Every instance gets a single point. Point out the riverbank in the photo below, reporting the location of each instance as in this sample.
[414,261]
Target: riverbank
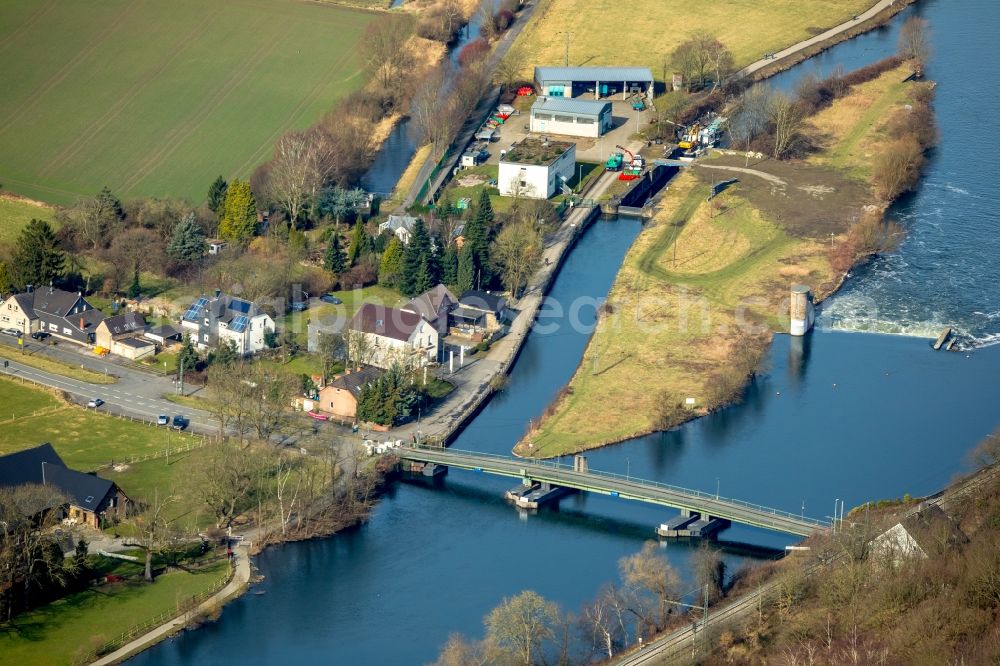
[705,286]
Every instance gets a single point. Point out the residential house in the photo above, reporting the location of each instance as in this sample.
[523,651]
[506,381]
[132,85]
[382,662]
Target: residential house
[163,335]
[215,245]
[212,321]
[479,313]
[434,306]
[62,314]
[340,397]
[126,326]
[458,236]
[391,335]
[923,533]
[401,225]
[89,498]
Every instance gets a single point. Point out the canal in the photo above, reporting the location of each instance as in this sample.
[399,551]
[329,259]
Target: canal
[840,414]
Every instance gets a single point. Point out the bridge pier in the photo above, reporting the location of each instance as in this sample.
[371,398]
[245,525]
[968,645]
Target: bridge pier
[428,469]
[532,495]
[690,524]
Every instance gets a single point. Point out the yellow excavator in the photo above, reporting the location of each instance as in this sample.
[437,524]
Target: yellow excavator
[691,137]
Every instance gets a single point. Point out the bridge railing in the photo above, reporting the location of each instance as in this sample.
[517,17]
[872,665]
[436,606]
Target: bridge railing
[555,464]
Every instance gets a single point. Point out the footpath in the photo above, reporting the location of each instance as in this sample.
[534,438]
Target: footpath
[239,582]
[475,382]
[818,39]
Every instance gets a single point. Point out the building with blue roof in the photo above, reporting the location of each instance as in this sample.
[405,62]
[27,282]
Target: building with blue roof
[570,117]
[211,321]
[598,81]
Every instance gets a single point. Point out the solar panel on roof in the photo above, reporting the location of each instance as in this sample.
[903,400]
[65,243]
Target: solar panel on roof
[192,313]
[239,324]
[237,305]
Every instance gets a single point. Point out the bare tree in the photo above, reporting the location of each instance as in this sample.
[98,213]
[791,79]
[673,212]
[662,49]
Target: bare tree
[710,570]
[520,624]
[517,251]
[223,481]
[269,396]
[153,529]
[386,57]
[700,56]
[914,41]
[786,120]
[750,116]
[896,168]
[509,69]
[302,165]
[604,621]
[459,651]
[360,348]
[650,571]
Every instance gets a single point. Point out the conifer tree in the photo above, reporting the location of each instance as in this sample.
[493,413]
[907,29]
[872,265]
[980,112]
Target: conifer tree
[466,270]
[217,195]
[361,244]
[135,288]
[391,268]
[37,257]
[187,242]
[449,265]
[238,221]
[333,259]
[418,264]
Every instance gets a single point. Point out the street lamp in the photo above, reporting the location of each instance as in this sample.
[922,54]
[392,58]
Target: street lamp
[716,487]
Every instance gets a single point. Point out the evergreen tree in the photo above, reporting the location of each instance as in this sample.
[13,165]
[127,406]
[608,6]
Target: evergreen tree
[187,242]
[466,270]
[238,221]
[361,244]
[226,354]
[217,195]
[392,263]
[110,202]
[478,234]
[188,357]
[6,279]
[37,257]
[333,260]
[417,263]
[449,265]
[135,288]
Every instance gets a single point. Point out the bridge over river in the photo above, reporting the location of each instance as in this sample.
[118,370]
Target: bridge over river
[558,474]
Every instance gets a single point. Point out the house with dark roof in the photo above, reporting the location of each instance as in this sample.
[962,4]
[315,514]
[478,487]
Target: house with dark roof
[925,532]
[400,225]
[89,498]
[340,397]
[387,335]
[212,321]
[434,306]
[478,313]
[162,334]
[62,314]
[120,334]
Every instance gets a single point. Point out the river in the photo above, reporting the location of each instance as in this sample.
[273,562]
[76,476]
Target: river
[841,415]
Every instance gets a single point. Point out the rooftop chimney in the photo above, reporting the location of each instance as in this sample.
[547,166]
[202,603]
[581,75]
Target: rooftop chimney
[31,288]
[81,323]
[218,292]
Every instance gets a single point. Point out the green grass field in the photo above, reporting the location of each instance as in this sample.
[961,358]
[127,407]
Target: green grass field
[15,215]
[84,439]
[55,633]
[158,97]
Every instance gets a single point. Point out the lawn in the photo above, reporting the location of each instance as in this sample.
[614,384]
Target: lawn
[56,367]
[655,28]
[157,98]
[57,632]
[328,313]
[15,215]
[84,439]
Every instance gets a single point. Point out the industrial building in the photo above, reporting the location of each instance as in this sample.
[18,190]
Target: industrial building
[599,81]
[536,168]
[571,117]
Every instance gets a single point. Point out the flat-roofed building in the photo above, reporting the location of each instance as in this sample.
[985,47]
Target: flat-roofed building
[570,117]
[536,169]
[599,81]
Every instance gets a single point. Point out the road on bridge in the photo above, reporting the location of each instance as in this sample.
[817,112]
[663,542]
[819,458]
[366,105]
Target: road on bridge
[618,485]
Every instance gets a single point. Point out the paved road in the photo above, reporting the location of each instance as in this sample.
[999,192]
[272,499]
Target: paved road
[137,394]
[832,32]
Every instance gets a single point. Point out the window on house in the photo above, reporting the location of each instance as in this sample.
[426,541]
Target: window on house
[67,331]
[207,322]
[206,337]
[6,318]
[90,498]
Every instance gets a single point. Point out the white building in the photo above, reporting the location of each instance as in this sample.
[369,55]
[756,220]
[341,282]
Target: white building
[599,81]
[390,335]
[401,225]
[213,321]
[571,117]
[536,169]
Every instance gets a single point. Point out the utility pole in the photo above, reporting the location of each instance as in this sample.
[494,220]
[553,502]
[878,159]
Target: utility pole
[568,35]
[182,376]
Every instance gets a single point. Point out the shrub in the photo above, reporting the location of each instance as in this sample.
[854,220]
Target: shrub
[897,168]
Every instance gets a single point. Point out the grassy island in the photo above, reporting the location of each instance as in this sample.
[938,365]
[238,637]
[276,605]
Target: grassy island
[705,285]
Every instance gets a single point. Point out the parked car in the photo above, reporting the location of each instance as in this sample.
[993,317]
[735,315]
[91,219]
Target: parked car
[299,306]
[162,419]
[181,422]
[40,335]
[94,403]
[12,331]
[330,298]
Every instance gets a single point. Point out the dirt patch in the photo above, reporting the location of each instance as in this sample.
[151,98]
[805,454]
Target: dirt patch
[471,181]
[818,201]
